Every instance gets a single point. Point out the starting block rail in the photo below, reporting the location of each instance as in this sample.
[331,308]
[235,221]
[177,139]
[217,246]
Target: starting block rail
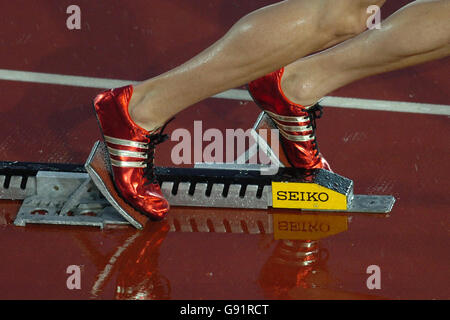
[78,195]
[72,198]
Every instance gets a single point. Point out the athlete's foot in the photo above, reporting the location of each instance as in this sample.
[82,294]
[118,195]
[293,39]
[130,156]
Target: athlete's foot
[296,122]
[131,153]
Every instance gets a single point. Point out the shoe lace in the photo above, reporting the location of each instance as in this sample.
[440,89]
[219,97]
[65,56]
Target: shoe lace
[315,112]
[154,139]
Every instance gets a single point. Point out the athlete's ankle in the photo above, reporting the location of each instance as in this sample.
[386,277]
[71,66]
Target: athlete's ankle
[300,88]
[140,112]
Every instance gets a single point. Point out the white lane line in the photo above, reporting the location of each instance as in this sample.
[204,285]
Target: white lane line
[233,94]
[59,79]
[386,105]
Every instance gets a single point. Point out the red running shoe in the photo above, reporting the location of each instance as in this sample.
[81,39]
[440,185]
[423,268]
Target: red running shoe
[131,153]
[296,123]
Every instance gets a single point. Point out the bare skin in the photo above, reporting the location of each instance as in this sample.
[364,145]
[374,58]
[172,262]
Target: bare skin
[261,42]
[417,33]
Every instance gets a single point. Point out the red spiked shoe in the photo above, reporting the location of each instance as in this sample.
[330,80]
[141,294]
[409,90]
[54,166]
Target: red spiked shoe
[296,123]
[131,153]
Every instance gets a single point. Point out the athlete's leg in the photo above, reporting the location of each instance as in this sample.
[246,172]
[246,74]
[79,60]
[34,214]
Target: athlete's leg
[417,33]
[259,43]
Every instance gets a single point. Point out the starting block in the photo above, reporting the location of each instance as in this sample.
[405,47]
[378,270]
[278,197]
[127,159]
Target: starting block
[77,195]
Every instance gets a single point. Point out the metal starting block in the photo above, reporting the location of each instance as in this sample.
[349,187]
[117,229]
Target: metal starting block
[86,196]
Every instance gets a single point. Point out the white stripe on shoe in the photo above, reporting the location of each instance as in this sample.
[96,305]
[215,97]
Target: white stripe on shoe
[128,164]
[293,128]
[126,143]
[126,153]
[296,138]
[287,118]
[284,129]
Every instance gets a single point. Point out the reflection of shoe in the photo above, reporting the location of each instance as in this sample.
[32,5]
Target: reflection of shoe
[296,123]
[139,276]
[131,153]
[294,264]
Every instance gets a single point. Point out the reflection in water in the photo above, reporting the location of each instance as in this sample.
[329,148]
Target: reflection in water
[139,275]
[293,263]
[136,262]
[298,260]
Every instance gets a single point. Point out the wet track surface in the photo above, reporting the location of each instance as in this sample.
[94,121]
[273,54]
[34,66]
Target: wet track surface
[402,154]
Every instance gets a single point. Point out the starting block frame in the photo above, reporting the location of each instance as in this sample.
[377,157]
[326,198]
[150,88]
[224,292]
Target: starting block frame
[77,195]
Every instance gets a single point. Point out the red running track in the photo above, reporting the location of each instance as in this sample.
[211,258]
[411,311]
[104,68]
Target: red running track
[403,154]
